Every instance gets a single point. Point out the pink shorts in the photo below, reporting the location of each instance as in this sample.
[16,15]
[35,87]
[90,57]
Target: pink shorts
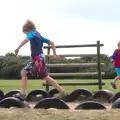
[37,67]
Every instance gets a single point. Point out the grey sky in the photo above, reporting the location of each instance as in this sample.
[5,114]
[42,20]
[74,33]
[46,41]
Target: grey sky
[63,21]
[104,10]
[101,10]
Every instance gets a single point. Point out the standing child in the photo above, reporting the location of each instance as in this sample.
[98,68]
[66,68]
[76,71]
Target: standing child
[116,59]
[37,66]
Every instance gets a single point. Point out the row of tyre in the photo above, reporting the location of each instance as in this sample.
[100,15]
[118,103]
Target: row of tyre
[88,99]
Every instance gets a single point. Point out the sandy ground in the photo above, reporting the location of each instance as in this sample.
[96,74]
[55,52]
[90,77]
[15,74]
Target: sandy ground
[55,114]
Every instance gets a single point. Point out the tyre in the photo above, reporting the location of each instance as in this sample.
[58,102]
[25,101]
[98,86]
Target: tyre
[13,102]
[116,104]
[37,95]
[90,105]
[52,92]
[103,95]
[1,94]
[115,97]
[80,95]
[11,93]
[51,103]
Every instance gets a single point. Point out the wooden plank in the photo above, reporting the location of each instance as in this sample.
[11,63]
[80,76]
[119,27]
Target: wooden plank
[73,65]
[73,46]
[72,84]
[75,74]
[74,55]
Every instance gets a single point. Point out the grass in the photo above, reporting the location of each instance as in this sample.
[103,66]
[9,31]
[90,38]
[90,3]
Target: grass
[36,114]
[7,85]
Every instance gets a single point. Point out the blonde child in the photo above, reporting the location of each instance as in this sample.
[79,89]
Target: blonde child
[37,66]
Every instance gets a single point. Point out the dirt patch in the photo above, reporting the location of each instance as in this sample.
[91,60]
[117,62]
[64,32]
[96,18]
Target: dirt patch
[52,114]
[55,114]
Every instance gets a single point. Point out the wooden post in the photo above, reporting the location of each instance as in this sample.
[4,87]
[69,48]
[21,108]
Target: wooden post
[48,61]
[98,67]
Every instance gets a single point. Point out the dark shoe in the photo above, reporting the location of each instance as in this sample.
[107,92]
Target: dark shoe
[61,95]
[113,85]
[21,96]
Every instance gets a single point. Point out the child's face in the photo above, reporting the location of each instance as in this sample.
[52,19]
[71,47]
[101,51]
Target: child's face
[26,33]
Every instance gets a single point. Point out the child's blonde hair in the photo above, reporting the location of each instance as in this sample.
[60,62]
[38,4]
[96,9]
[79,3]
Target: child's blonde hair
[118,44]
[29,26]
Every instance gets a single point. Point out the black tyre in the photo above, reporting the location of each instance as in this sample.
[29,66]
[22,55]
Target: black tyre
[13,102]
[51,103]
[1,94]
[11,93]
[52,92]
[103,95]
[90,105]
[37,95]
[115,97]
[116,104]
[80,94]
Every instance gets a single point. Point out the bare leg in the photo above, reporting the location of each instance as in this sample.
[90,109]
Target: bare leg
[116,79]
[24,81]
[52,82]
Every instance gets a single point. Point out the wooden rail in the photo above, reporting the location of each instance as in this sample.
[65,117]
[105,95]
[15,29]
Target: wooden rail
[74,46]
[73,65]
[76,84]
[75,74]
[73,55]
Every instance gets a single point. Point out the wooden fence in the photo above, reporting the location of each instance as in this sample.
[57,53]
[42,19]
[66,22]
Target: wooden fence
[97,64]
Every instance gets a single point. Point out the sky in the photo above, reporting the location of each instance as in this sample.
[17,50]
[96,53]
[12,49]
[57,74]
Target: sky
[66,22]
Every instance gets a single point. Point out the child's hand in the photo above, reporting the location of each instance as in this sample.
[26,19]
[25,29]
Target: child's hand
[56,57]
[16,51]
[111,60]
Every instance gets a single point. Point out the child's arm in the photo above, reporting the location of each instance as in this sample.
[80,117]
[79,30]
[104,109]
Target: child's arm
[53,47]
[45,40]
[54,50]
[113,57]
[21,44]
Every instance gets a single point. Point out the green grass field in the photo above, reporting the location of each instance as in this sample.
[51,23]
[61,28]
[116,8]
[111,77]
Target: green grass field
[7,85]
[53,114]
